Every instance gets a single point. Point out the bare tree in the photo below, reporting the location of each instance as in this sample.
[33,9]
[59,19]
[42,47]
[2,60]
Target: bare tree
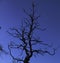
[28,41]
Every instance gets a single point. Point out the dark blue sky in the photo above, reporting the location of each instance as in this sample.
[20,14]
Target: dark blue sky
[11,14]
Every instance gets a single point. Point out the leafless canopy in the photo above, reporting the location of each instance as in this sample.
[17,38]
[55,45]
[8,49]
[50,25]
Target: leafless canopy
[28,40]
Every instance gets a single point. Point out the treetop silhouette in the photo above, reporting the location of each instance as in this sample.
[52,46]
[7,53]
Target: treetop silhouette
[28,41]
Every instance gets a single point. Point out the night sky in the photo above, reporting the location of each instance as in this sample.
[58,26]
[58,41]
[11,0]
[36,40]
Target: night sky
[11,15]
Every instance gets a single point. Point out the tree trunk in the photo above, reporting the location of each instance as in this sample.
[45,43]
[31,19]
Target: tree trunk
[27,59]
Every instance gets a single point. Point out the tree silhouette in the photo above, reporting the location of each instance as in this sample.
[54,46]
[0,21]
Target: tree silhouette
[29,42]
